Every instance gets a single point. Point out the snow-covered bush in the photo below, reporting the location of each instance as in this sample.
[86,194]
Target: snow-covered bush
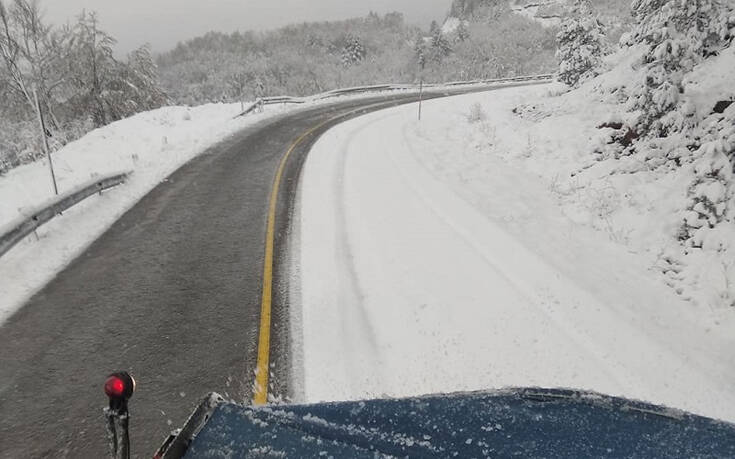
[678,34]
[18,143]
[581,45]
[476,113]
[712,193]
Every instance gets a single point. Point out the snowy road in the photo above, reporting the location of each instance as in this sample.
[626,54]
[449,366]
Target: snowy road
[410,288]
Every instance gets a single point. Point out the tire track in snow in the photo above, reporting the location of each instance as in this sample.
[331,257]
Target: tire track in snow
[357,328]
[520,288]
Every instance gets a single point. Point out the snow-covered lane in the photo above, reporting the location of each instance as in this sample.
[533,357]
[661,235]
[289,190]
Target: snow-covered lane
[408,288]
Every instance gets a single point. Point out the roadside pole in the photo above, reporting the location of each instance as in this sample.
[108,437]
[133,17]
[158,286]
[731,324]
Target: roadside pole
[422,63]
[44,136]
[421,95]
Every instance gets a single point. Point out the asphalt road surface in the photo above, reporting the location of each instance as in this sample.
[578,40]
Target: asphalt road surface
[171,293]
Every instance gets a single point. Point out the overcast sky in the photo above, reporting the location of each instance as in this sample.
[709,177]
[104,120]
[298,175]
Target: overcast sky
[163,23]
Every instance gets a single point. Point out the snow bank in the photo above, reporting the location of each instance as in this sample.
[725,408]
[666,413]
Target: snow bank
[458,254]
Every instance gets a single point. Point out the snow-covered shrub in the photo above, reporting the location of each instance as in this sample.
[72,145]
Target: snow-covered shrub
[602,202]
[19,143]
[712,193]
[476,113]
[581,45]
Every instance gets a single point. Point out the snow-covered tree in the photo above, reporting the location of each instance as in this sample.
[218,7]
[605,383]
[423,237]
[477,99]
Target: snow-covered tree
[434,28]
[353,51]
[91,66]
[463,32]
[103,88]
[141,79]
[31,53]
[678,34]
[581,45]
[65,79]
[420,51]
[440,46]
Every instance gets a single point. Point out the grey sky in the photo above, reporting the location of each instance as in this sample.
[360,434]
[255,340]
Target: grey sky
[163,23]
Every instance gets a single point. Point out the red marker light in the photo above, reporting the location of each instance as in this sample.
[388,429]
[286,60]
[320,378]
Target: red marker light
[120,386]
[114,387]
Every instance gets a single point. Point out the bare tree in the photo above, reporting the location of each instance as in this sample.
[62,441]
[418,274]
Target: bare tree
[30,53]
[90,67]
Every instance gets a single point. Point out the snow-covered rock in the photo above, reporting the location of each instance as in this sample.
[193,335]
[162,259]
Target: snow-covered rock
[451,25]
[547,12]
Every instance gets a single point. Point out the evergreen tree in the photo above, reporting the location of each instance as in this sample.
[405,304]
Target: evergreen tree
[440,46]
[580,45]
[420,51]
[463,32]
[434,28]
[353,51]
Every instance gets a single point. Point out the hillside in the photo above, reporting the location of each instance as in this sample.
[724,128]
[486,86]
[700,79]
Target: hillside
[642,148]
[300,59]
[312,57]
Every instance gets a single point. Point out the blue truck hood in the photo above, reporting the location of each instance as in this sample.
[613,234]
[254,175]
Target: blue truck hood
[513,422]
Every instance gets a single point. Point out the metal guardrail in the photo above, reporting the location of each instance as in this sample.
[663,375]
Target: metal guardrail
[258,104]
[543,77]
[24,226]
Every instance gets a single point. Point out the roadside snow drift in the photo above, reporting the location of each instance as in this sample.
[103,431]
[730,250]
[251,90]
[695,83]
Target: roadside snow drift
[433,258]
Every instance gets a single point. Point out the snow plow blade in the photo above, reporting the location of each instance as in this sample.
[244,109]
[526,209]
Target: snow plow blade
[513,422]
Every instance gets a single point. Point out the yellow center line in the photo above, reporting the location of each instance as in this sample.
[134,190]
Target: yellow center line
[260,395]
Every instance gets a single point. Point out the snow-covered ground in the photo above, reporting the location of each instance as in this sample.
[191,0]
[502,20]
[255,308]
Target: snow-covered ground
[151,144]
[455,254]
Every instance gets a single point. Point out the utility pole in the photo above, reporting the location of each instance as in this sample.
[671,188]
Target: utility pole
[422,63]
[44,136]
[421,95]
